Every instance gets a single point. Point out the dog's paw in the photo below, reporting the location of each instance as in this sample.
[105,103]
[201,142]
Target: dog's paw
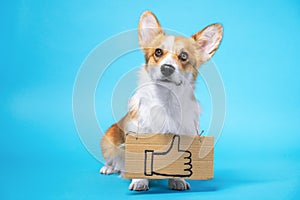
[178,184]
[139,185]
[108,170]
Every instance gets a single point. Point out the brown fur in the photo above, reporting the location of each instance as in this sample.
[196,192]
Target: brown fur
[115,136]
[188,45]
[112,139]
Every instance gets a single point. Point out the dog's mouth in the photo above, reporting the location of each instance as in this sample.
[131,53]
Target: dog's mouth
[170,81]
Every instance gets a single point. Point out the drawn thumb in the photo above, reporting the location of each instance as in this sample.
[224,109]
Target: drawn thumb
[175,142]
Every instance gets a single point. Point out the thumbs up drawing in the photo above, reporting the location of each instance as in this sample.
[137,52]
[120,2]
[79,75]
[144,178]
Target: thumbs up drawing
[172,154]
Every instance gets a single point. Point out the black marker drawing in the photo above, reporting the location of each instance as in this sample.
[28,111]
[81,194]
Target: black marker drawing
[150,156]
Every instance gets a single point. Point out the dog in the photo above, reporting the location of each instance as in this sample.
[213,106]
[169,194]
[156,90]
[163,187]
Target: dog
[164,101]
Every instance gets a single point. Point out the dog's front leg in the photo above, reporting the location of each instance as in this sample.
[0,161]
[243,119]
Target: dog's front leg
[139,184]
[132,127]
[178,184]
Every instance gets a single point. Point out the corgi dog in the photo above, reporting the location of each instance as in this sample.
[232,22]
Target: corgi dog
[164,101]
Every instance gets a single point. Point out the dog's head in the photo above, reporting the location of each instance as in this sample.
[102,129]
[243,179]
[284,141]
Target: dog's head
[175,59]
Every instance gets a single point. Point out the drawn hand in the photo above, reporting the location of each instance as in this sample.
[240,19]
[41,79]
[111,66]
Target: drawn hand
[182,166]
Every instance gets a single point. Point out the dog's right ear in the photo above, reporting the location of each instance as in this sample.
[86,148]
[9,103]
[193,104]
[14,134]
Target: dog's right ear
[149,29]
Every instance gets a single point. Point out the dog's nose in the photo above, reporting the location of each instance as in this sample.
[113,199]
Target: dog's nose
[167,70]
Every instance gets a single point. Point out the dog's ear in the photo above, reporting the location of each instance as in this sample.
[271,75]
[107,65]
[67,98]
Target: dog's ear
[149,28]
[208,40]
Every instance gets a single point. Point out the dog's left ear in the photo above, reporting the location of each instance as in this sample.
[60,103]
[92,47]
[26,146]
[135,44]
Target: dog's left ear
[149,29]
[208,40]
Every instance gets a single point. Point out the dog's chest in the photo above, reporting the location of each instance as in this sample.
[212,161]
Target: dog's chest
[162,110]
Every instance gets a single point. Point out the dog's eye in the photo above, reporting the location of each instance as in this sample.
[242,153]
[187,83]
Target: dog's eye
[158,52]
[183,56]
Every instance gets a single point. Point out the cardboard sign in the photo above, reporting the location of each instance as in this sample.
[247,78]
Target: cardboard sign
[159,156]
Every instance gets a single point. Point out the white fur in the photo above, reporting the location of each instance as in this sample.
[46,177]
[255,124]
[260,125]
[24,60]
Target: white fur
[168,43]
[139,184]
[108,170]
[115,165]
[178,184]
[161,107]
[164,107]
[165,104]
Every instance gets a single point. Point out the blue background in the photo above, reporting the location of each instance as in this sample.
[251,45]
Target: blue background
[43,44]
